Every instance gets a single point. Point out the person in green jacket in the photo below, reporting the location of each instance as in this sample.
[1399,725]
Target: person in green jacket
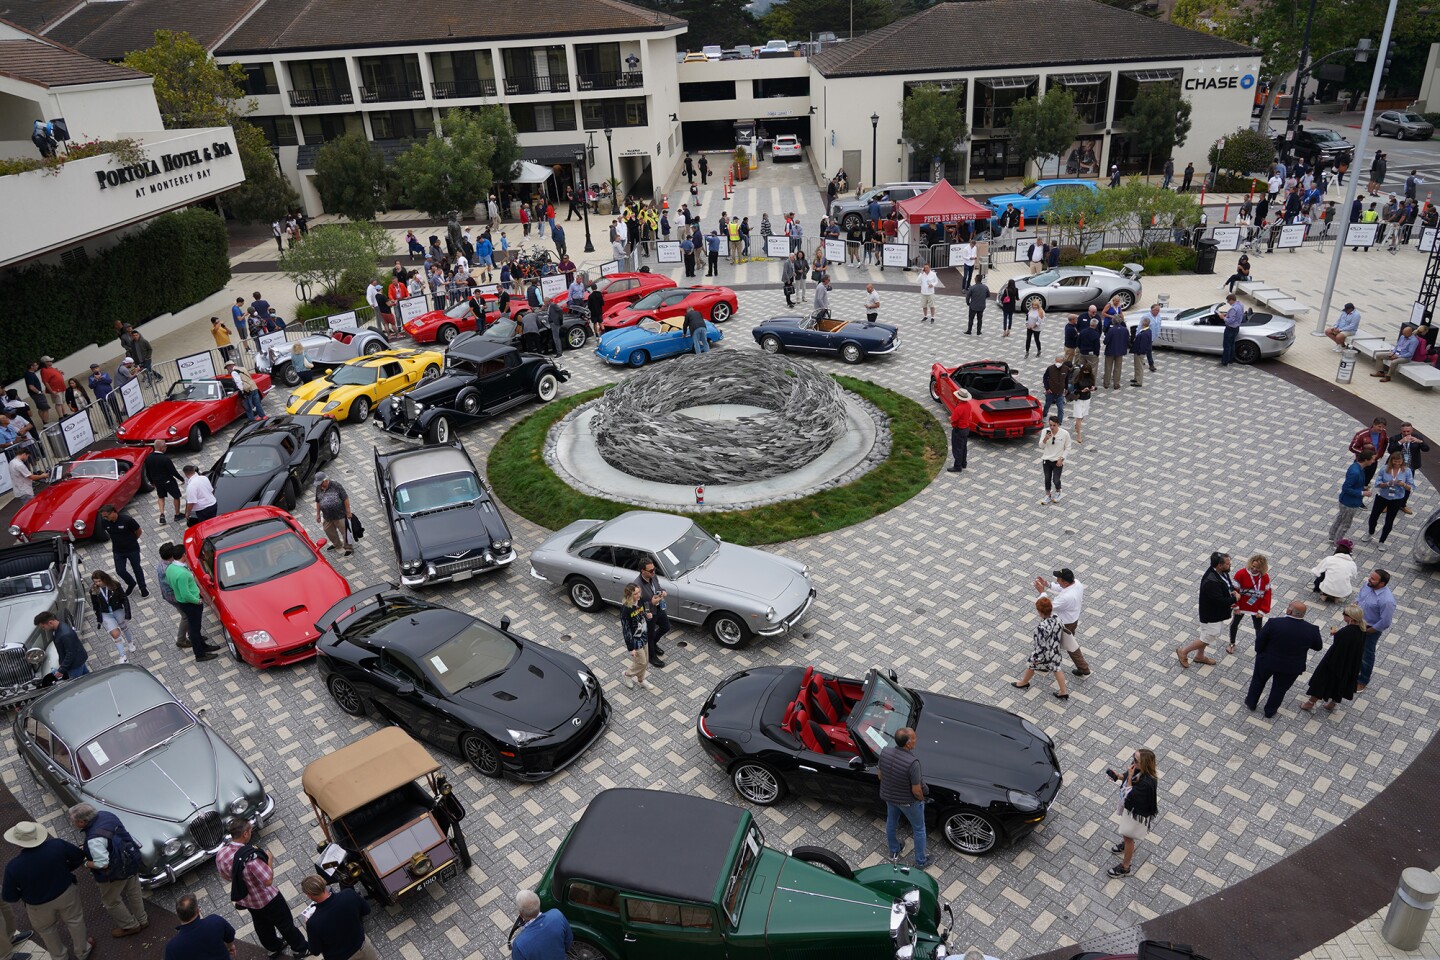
[187,597]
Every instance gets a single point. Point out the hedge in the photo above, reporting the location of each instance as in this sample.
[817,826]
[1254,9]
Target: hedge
[176,260]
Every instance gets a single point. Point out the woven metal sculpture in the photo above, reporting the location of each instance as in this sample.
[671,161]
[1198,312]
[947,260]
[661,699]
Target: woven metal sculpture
[638,428]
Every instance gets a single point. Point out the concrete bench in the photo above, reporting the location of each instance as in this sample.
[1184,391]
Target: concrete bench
[1277,301]
[1371,346]
[1421,374]
[1287,306]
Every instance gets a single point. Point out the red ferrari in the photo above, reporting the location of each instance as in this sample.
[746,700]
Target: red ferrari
[190,412]
[716,304]
[266,582]
[1001,405]
[76,490]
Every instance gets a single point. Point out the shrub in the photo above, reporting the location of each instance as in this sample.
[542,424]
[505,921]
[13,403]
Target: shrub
[1069,256]
[1433,118]
[176,260]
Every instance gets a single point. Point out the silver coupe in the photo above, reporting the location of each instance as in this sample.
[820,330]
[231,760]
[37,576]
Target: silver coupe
[736,593]
[325,350]
[1202,330]
[1075,288]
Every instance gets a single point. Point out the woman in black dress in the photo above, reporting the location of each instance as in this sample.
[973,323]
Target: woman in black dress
[1338,672]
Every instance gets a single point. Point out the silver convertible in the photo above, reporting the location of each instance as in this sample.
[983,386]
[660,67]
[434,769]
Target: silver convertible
[325,350]
[1202,330]
[737,593]
[1075,288]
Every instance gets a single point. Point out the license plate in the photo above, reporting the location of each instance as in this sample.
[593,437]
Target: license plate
[448,872]
[463,575]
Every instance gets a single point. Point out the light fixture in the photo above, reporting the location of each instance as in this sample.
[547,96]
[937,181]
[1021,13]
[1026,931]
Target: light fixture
[812,111]
[674,118]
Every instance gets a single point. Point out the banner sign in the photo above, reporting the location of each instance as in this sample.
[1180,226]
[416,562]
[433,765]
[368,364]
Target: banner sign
[897,255]
[1291,235]
[343,321]
[668,251]
[609,267]
[1228,238]
[1361,234]
[1022,249]
[777,246]
[412,307]
[835,251]
[77,432]
[552,285]
[201,366]
[133,398]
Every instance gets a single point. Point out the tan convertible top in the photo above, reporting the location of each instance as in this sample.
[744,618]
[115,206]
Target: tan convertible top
[346,780]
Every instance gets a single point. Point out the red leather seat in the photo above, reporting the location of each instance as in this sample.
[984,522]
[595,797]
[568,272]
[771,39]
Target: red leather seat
[811,733]
[826,705]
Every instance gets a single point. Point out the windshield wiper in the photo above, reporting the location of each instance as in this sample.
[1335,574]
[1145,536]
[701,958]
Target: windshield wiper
[480,680]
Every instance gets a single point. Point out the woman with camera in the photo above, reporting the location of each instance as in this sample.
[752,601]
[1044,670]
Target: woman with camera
[1139,785]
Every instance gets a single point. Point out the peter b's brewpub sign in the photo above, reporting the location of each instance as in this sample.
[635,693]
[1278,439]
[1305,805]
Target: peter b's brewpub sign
[166,163]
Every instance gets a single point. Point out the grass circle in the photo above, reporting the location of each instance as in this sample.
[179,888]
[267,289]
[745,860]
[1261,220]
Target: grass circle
[525,483]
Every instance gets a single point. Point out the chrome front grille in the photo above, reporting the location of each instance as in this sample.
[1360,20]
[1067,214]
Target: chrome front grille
[411,410]
[477,562]
[14,670]
[207,830]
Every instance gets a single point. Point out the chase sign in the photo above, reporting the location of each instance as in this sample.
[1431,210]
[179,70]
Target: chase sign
[1220,83]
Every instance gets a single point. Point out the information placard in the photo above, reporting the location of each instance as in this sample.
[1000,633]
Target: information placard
[1427,239]
[777,246]
[343,321]
[896,255]
[1361,234]
[488,290]
[1022,249]
[609,267]
[1228,238]
[668,251]
[132,397]
[77,432]
[201,366]
[412,307]
[834,251]
[1291,235]
[5,486]
[1417,313]
[273,343]
[954,255]
[552,286]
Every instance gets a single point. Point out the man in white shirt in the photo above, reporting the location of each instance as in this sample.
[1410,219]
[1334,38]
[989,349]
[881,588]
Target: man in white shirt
[929,282]
[1272,187]
[1068,596]
[199,496]
[968,253]
[872,303]
[371,292]
[249,391]
[1037,257]
[23,476]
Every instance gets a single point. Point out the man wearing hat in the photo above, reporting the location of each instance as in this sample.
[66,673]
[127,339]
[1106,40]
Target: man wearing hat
[1068,596]
[332,511]
[125,373]
[43,875]
[249,391]
[104,390]
[54,381]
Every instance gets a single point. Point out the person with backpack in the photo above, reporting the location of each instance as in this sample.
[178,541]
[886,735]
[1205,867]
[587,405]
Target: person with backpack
[113,857]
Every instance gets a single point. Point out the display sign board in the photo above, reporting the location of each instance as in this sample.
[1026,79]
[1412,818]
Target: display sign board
[1022,249]
[412,307]
[132,397]
[272,341]
[5,486]
[1417,313]
[201,366]
[77,432]
[488,289]
[1291,235]
[835,251]
[343,321]
[552,285]
[724,246]
[668,251]
[1361,234]
[1427,239]
[777,246]
[896,255]
[954,255]
[1228,238]
[609,267]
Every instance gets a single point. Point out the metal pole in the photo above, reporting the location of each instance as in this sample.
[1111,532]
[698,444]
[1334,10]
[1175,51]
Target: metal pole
[585,200]
[1297,91]
[874,147]
[1355,173]
[614,181]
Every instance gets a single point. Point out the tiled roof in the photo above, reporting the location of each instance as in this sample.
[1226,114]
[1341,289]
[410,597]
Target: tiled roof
[110,29]
[282,25]
[49,65]
[991,34]
[35,14]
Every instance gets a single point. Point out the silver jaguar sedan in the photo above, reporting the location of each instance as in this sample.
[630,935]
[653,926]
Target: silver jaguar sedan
[1075,288]
[1202,330]
[736,593]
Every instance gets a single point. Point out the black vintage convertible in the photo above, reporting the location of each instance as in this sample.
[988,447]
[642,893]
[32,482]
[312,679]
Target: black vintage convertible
[506,704]
[854,340]
[990,775]
[530,332]
[482,378]
[269,463]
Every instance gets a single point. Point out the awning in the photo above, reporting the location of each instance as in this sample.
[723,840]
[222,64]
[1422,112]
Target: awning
[528,172]
[1151,76]
[1005,83]
[1080,79]
[552,153]
[942,204]
[344,781]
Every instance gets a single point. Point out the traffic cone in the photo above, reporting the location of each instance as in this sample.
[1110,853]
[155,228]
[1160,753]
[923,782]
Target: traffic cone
[664,201]
[1021,228]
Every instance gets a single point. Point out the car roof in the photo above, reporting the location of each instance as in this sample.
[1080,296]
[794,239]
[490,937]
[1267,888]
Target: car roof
[344,781]
[82,709]
[1062,180]
[478,350]
[436,626]
[643,529]
[411,465]
[707,831]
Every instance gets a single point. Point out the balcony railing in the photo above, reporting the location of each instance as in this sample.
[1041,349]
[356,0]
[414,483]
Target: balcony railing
[382,92]
[526,84]
[453,89]
[623,80]
[320,97]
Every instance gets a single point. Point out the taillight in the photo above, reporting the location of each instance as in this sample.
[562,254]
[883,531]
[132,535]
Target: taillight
[705,730]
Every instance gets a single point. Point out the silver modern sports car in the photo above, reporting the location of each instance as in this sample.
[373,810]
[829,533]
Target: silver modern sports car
[325,350]
[1202,330]
[735,592]
[1427,542]
[1075,288]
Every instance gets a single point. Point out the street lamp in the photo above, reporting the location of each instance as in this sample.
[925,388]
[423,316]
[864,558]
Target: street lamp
[614,181]
[584,200]
[874,145]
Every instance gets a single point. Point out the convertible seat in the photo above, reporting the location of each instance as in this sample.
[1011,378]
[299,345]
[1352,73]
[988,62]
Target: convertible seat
[825,704]
[811,733]
[832,326]
[343,337]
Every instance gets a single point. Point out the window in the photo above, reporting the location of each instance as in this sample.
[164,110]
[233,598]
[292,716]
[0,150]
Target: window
[543,117]
[323,128]
[61,753]
[583,894]
[629,558]
[780,87]
[400,124]
[259,79]
[278,131]
[668,914]
[618,112]
[128,739]
[706,92]
[390,370]
[601,554]
[995,100]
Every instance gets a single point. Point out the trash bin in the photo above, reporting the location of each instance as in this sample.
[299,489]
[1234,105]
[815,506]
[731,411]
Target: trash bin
[1346,370]
[1207,250]
[1410,910]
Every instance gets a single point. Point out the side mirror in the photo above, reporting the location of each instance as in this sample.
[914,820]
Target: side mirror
[505,623]
[893,677]
[856,763]
[405,689]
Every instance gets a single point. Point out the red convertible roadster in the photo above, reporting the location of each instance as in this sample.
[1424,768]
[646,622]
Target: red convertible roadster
[190,412]
[76,491]
[716,304]
[1001,404]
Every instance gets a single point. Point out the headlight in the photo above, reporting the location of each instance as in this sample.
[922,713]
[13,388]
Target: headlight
[770,614]
[190,847]
[79,525]
[172,431]
[120,432]
[34,656]
[238,806]
[412,565]
[522,737]
[418,404]
[501,547]
[333,405]
[294,399]
[1023,802]
[172,847]
[260,639]
[14,530]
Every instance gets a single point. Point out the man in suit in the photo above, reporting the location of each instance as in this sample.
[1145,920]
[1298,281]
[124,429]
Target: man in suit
[542,936]
[1280,652]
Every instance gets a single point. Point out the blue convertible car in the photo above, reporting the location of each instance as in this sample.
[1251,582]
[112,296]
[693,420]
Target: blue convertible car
[1035,201]
[854,340]
[649,340]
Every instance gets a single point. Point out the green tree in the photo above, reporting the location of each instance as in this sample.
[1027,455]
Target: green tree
[723,22]
[351,177]
[265,195]
[1044,126]
[799,19]
[1075,216]
[450,173]
[1246,151]
[191,89]
[494,122]
[1159,121]
[331,252]
[1135,208]
[932,121]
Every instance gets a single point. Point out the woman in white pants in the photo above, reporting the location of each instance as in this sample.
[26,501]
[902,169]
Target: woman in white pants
[112,612]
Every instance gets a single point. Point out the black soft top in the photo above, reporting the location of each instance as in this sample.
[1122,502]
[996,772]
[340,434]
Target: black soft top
[685,855]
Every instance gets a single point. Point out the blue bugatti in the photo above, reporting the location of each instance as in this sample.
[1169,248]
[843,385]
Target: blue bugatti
[854,340]
[648,340]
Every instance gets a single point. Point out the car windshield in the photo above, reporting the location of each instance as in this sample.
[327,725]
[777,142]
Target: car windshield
[735,886]
[98,469]
[503,330]
[1196,313]
[262,560]
[884,709]
[655,326]
[29,583]
[437,493]
[1325,135]
[650,301]
[869,195]
[194,390]
[126,741]
[459,310]
[472,656]
[250,460]
[694,547]
[1033,190]
[1043,279]
[1411,118]
[353,376]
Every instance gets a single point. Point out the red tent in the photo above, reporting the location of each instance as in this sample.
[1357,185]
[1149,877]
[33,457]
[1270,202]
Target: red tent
[942,204]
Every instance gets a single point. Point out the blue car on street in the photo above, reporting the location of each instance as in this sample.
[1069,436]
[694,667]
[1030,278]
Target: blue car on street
[1034,202]
[649,340]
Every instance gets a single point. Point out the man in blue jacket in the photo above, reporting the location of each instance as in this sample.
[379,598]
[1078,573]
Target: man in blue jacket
[1140,347]
[1280,652]
[1088,339]
[67,645]
[43,875]
[542,936]
[1352,493]
[1117,344]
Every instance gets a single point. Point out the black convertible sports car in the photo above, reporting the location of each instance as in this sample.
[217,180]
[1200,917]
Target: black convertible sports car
[481,378]
[504,703]
[990,775]
[443,522]
[530,332]
[269,463]
[854,340]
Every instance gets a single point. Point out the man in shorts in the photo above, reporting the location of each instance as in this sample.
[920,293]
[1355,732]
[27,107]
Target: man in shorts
[929,282]
[160,471]
[1218,597]
[35,387]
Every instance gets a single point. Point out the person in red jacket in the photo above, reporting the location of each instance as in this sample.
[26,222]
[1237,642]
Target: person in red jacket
[1253,584]
[962,419]
[398,291]
[1376,438]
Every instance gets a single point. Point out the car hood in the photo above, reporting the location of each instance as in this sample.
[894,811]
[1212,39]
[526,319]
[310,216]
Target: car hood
[443,387]
[959,741]
[17,616]
[535,693]
[743,570]
[1005,198]
[628,337]
[286,607]
[433,535]
[168,783]
[58,505]
[154,422]
[811,901]
[233,493]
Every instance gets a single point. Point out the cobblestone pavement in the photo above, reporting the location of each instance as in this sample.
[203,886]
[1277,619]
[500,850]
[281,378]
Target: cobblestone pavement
[1197,460]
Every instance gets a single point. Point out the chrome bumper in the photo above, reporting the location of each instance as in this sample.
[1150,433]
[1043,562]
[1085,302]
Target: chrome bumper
[785,625]
[431,575]
[537,574]
[173,871]
[895,345]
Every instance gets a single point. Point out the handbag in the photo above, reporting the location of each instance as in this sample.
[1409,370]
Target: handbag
[357,529]
[815,275]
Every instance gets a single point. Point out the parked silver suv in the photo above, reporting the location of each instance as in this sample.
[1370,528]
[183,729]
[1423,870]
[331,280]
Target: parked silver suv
[852,212]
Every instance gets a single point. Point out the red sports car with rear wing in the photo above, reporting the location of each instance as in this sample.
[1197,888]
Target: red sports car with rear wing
[1001,404]
[716,304]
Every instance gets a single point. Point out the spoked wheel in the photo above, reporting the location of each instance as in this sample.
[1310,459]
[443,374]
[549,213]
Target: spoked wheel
[758,783]
[482,754]
[347,698]
[332,444]
[448,332]
[972,832]
[576,338]
[583,594]
[547,387]
[720,313]
[771,344]
[360,409]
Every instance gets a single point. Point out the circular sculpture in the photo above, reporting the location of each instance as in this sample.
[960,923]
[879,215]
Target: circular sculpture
[641,427]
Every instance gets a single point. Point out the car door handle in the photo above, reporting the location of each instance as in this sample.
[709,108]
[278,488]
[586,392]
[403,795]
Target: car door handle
[808,769]
[629,939]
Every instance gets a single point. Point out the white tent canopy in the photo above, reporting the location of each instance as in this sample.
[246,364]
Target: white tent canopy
[532,173]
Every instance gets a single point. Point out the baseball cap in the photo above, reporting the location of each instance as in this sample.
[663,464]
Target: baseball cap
[47,359]
[320,476]
[94,366]
[1345,544]
[1064,573]
[128,360]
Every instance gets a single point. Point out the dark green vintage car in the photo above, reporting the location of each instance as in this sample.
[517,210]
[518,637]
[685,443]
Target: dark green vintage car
[649,875]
